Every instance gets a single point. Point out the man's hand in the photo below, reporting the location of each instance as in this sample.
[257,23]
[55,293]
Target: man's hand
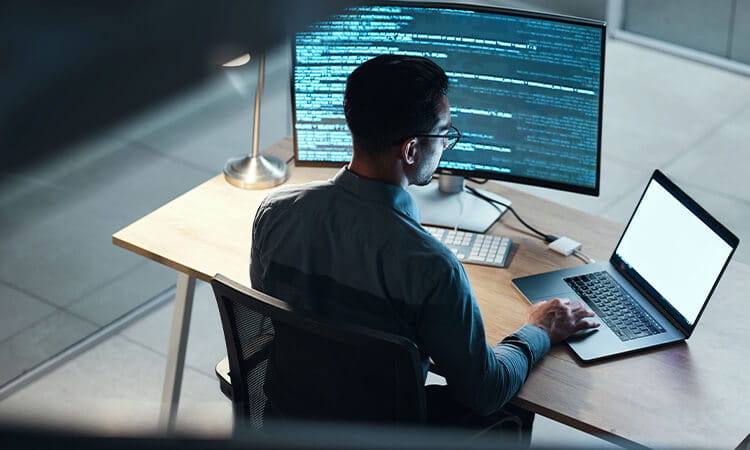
[560,318]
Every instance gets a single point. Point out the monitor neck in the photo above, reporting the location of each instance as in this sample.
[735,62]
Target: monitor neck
[444,203]
[451,184]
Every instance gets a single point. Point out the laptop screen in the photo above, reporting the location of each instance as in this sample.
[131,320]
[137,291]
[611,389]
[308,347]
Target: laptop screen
[673,245]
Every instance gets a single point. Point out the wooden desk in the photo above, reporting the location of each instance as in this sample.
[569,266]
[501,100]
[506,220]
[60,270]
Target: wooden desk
[691,394]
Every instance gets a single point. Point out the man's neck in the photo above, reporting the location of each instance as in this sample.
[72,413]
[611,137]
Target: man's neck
[381,168]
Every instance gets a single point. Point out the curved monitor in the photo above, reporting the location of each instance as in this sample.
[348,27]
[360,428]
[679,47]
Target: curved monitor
[525,88]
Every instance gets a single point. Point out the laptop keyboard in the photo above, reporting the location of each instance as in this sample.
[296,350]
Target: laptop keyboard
[614,306]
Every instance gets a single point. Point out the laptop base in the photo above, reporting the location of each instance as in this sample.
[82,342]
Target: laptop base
[602,343]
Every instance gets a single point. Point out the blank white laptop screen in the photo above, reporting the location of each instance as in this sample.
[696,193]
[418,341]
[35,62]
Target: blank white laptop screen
[672,249]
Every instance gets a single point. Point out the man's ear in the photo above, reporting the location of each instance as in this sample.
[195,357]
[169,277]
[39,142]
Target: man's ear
[408,151]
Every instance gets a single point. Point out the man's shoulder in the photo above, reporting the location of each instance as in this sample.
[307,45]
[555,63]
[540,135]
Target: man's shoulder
[296,193]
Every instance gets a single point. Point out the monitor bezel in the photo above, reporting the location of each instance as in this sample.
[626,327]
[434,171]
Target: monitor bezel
[480,174]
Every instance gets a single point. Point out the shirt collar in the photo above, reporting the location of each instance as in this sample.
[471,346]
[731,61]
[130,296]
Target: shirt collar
[377,191]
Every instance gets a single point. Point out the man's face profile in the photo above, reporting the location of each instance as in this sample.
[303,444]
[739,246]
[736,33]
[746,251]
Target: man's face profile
[430,150]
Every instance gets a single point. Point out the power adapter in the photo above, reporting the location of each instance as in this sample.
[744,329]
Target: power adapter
[565,246]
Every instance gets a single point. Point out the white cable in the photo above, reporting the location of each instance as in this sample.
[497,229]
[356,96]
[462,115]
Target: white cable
[565,242]
[586,258]
[460,211]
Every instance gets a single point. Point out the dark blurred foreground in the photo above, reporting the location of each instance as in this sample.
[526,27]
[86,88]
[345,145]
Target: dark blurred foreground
[286,436]
[69,69]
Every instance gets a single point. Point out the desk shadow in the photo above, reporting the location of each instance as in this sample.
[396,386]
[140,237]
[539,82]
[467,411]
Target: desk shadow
[511,254]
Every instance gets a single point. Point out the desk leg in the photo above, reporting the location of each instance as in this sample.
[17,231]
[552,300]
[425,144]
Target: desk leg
[183,306]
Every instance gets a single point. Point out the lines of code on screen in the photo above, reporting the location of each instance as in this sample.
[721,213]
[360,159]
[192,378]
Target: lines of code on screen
[524,91]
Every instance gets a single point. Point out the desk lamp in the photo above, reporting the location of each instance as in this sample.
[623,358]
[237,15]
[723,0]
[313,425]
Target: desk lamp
[254,171]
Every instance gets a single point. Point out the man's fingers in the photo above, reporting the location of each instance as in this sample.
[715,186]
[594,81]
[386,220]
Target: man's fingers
[585,324]
[582,312]
[574,305]
[579,306]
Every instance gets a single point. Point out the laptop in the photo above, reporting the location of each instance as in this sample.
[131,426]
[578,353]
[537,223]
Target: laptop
[657,282]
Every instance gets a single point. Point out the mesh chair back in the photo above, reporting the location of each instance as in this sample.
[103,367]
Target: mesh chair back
[251,321]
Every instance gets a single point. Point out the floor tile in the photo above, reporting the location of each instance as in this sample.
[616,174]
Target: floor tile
[132,289]
[204,410]
[171,138]
[47,171]
[721,162]
[64,255]
[26,200]
[33,196]
[211,147]
[132,182]
[205,101]
[39,342]
[657,105]
[550,434]
[206,339]
[19,310]
[67,253]
[115,388]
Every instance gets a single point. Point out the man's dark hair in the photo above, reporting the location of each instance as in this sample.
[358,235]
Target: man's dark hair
[391,98]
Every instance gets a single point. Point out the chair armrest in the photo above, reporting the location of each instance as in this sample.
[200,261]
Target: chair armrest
[222,367]
[222,373]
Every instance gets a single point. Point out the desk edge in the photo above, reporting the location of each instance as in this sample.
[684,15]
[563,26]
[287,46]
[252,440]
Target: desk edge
[160,259]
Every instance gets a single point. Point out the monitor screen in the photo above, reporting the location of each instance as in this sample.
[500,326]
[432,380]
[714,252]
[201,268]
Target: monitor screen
[525,88]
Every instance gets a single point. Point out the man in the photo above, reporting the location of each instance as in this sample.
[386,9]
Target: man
[352,249]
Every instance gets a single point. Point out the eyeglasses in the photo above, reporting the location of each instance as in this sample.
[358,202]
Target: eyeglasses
[452,137]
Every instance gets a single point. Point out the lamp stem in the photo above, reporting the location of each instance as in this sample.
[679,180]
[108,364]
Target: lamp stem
[258,95]
[256,171]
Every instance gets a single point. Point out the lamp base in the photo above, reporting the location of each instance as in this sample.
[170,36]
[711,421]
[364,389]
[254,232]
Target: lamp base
[261,172]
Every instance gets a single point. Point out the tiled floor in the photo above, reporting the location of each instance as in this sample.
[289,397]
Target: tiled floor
[61,278]
[60,275]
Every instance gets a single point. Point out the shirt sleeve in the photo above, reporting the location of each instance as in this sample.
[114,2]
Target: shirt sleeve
[451,331]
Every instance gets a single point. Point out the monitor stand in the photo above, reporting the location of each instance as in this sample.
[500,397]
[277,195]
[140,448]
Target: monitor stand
[444,203]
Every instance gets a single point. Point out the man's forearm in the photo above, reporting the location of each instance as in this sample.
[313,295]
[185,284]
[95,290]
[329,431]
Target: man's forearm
[516,355]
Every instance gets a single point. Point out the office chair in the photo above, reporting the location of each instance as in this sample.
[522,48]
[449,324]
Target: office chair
[251,320]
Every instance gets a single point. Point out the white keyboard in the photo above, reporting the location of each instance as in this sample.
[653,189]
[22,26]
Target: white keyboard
[474,248]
